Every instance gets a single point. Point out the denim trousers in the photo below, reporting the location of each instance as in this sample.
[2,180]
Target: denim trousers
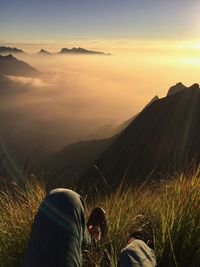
[58,231]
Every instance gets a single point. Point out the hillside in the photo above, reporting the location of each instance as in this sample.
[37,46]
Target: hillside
[10,65]
[163,138]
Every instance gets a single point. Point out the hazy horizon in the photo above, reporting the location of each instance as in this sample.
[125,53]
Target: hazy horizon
[154,45]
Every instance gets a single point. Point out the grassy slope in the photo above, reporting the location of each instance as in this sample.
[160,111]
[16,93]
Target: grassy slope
[169,212]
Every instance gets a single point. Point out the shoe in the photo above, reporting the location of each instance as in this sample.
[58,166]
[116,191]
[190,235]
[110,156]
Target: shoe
[97,223]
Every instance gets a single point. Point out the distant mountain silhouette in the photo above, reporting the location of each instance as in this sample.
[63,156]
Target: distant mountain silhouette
[105,131]
[163,138]
[79,50]
[10,65]
[74,50]
[6,49]
[44,52]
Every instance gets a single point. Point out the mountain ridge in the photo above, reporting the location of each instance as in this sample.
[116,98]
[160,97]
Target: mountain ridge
[73,50]
[44,52]
[7,49]
[165,145]
[80,50]
[10,65]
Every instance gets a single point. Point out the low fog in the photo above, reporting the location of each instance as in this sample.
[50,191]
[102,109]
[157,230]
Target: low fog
[78,97]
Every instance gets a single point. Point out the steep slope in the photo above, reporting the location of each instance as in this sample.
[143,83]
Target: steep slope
[125,124]
[64,168]
[10,65]
[113,129]
[161,139]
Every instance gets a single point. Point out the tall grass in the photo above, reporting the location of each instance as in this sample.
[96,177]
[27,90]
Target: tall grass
[169,212]
[17,211]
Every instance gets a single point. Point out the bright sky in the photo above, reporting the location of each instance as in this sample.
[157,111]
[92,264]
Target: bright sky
[60,20]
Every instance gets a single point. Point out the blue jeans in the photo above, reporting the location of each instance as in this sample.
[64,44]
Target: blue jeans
[58,231]
[137,254]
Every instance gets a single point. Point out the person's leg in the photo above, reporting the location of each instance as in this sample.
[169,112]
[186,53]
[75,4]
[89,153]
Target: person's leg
[137,254]
[58,231]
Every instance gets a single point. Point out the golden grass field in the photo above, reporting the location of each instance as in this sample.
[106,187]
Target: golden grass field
[169,211]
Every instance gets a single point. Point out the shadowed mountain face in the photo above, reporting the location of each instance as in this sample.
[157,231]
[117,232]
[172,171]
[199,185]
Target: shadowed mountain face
[6,49]
[161,139]
[10,65]
[176,89]
[79,50]
[126,123]
[64,168]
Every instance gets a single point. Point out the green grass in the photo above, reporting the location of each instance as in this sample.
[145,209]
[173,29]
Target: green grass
[169,212]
